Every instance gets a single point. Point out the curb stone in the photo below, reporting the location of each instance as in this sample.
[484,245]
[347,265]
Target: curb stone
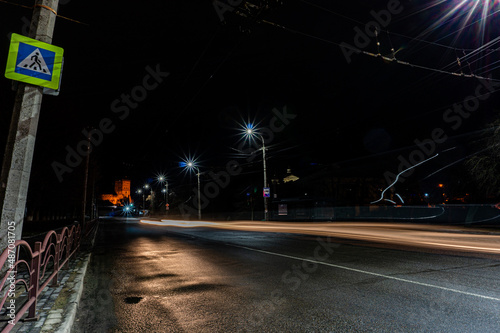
[57,306]
[68,316]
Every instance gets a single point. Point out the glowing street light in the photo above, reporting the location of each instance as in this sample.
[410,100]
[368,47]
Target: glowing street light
[163,179]
[191,165]
[140,191]
[152,194]
[251,133]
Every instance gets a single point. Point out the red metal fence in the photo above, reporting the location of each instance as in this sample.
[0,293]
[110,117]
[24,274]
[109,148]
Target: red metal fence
[29,270]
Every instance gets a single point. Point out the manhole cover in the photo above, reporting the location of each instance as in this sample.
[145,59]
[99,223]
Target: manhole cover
[132,300]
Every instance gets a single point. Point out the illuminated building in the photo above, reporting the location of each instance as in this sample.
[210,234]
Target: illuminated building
[122,193]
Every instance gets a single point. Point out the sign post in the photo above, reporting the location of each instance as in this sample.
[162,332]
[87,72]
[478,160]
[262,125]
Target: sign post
[16,167]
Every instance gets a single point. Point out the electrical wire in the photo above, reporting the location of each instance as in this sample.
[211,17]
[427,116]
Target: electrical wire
[388,59]
[494,68]
[16,4]
[467,57]
[418,39]
[468,25]
[32,7]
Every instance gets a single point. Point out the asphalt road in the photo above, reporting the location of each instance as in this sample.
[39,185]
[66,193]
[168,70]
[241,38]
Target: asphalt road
[145,278]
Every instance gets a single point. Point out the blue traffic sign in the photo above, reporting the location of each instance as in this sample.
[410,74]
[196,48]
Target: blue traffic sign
[34,62]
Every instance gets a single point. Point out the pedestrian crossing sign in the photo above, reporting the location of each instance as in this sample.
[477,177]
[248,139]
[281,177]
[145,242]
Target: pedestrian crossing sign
[34,62]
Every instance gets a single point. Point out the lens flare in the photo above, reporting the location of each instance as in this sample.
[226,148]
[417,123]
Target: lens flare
[470,17]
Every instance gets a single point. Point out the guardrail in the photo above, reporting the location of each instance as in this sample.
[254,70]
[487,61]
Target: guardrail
[32,269]
[465,214]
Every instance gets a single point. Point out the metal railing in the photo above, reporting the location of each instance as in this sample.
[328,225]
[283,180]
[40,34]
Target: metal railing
[32,269]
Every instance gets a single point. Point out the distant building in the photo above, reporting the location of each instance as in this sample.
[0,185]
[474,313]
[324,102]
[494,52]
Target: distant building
[317,188]
[290,177]
[121,195]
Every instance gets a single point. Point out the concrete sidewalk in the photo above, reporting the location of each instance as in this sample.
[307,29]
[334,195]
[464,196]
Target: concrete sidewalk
[57,306]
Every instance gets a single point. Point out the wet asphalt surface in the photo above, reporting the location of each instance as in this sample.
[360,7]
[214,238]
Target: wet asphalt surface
[145,278]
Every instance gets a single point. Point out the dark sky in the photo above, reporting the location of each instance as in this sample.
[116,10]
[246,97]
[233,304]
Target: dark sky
[222,74]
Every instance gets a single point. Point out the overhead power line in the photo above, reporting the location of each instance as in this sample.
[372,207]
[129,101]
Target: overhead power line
[392,58]
[32,7]
[417,39]
[248,10]
[485,48]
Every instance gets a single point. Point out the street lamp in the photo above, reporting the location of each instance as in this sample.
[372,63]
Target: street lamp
[191,165]
[162,179]
[251,133]
[146,187]
[140,191]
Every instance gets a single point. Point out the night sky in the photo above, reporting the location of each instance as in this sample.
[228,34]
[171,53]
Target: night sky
[359,115]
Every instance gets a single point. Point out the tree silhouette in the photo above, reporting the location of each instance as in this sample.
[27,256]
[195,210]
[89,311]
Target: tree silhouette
[484,167]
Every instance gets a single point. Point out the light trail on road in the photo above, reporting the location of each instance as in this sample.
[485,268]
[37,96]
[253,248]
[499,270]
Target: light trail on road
[213,276]
[451,238]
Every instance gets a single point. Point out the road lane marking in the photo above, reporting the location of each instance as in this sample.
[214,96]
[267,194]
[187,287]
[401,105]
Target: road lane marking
[370,273]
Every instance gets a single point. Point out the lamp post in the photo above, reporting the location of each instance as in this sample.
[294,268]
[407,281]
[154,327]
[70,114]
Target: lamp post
[164,191]
[162,179]
[140,191]
[151,205]
[192,165]
[250,132]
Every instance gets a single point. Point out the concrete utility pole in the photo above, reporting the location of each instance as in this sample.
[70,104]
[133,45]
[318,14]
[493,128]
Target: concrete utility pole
[18,156]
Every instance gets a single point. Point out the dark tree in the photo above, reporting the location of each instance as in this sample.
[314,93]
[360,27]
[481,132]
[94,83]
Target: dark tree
[484,167]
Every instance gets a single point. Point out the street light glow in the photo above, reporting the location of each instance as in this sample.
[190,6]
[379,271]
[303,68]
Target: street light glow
[190,165]
[188,162]
[250,132]
[476,14]
[250,129]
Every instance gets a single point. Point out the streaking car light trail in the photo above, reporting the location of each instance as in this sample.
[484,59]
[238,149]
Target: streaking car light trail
[399,174]
[180,223]
[451,238]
